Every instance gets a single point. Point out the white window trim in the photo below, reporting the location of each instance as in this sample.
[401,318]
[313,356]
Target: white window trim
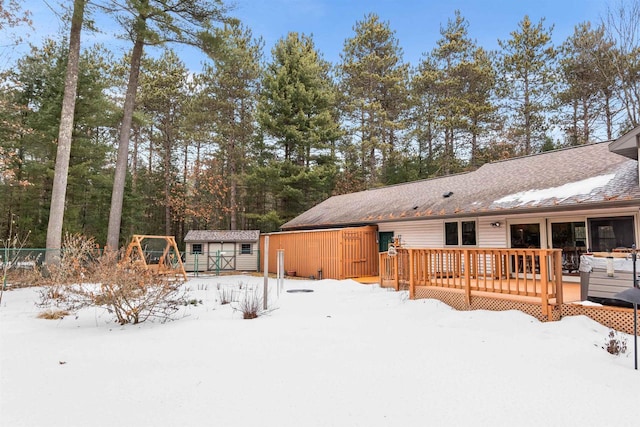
[459,222]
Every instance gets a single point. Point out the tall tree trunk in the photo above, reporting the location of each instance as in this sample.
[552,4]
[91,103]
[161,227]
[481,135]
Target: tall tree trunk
[168,178]
[134,160]
[527,118]
[65,133]
[609,116]
[474,149]
[585,122]
[448,151]
[233,184]
[119,180]
[574,123]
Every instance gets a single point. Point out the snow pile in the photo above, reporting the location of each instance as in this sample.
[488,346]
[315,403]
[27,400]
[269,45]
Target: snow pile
[345,354]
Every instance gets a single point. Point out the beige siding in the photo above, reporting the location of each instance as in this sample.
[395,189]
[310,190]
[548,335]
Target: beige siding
[430,233]
[247,262]
[490,236]
[193,262]
[422,234]
[206,261]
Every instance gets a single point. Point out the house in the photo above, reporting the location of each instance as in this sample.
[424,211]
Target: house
[220,250]
[506,236]
[574,199]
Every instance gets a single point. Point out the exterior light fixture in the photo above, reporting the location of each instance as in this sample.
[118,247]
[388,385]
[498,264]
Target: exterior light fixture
[496,224]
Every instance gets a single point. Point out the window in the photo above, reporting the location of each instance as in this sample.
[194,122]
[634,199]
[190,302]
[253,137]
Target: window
[245,249]
[468,233]
[568,234]
[460,233]
[571,237]
[525,235]
[608,234]
[451,233]
[196,248]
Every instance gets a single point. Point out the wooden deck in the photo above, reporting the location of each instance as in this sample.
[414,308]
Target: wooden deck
[617,318]
[529,280]
[570,290]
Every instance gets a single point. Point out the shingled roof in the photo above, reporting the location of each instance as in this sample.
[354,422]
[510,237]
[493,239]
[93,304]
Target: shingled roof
[222,236]
[573,178]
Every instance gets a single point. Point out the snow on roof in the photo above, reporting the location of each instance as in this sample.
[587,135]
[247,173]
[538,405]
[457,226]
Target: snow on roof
[222,236]
[562,192]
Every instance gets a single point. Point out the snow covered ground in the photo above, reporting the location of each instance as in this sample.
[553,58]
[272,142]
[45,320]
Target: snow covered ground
[344,355]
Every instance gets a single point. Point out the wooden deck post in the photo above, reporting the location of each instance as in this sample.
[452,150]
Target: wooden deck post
[412,285]
[467,277]
[396,273]
[557,269]
[544,283]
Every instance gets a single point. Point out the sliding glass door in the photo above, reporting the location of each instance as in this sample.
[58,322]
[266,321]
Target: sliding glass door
[571,237]
[612,234]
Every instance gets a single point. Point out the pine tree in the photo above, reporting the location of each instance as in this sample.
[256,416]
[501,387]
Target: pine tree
[587,84]
[32,145]
[424,126]
[163,94]
[229,95]
[58,193]
[453,90]
[154,22]
[528,76]
[374,82]
[297,109]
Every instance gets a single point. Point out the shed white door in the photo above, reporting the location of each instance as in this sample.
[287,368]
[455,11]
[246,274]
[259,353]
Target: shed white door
[222,256]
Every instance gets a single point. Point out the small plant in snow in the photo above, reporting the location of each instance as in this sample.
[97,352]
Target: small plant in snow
[53,314]
[250,303]
[225,293]
[614,344]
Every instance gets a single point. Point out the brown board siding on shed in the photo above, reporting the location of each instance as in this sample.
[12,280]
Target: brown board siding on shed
[339,253]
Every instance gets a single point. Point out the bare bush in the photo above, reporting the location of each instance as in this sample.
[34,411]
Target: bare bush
[128,290]
[250,303]
[225,293]
[77,260]
[614,344]
[9,256]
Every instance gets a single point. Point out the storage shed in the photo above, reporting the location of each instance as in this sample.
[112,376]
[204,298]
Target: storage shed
[329,254]
[220,250]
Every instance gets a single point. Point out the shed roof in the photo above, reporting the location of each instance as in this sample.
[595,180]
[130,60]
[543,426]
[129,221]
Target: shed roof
[567,179]
[222,236]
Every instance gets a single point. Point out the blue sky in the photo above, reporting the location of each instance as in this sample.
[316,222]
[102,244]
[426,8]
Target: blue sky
[417,23]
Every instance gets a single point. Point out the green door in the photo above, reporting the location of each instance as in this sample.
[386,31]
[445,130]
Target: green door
[385,238]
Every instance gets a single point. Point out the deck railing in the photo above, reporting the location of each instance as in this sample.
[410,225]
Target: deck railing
[535,273]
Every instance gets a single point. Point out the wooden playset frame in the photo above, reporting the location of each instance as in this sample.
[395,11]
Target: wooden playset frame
[169,263]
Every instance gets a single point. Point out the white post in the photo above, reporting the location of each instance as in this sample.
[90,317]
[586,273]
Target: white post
[280,270]
[266,272]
